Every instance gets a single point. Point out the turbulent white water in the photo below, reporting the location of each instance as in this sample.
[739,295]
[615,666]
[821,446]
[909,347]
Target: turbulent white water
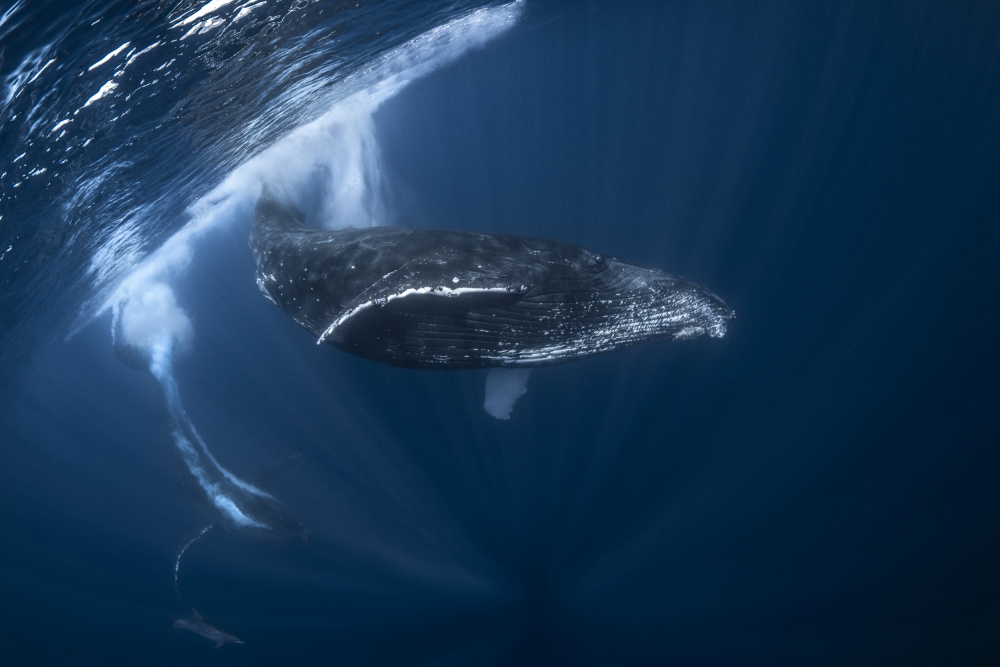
[336,155]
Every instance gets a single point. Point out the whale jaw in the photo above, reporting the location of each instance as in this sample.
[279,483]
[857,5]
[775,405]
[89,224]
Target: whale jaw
[556,321]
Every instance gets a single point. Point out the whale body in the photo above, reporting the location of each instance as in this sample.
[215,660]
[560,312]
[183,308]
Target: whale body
[435,299]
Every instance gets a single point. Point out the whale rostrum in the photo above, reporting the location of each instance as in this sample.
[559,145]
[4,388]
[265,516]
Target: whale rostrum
[434,299]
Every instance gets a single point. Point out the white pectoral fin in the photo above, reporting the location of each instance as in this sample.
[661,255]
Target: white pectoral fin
[503,387]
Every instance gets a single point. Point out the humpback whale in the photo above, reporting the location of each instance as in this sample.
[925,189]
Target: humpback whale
[434,299]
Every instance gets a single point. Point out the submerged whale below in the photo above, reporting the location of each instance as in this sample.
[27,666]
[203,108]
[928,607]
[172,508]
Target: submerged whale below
[457,300]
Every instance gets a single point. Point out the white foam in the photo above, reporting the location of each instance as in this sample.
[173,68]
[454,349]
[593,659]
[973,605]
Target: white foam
[336,153]
[151,320]
[228,508]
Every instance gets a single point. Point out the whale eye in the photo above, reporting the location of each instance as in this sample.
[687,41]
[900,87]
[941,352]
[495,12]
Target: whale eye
[593,263]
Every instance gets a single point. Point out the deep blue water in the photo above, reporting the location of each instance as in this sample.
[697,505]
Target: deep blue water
[817,487]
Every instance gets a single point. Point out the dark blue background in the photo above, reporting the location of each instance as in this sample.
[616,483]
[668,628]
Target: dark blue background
[818,487]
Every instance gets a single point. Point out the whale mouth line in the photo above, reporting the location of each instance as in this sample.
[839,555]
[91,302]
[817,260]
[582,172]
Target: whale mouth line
[437,290]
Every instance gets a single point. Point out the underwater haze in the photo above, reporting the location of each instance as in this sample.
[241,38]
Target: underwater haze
[816,487]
